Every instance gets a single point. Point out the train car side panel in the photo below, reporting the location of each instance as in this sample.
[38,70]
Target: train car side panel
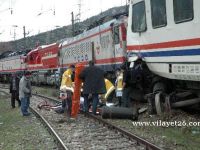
[96,44]
[169,45]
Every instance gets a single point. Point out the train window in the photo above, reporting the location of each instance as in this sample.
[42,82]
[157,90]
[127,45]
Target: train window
[31,57]
[183,10]
[139,17]
[158,13]
[116,34]
[104,41]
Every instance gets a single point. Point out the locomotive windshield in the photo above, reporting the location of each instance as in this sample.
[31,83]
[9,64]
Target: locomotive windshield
[116,34]
[139,17]
[158,13]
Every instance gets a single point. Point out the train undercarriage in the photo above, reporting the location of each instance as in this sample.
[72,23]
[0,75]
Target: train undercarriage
[181,97]
[167,94]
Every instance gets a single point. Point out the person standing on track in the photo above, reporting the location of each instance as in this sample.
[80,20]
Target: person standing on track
[119,85]
[25,93]
[67,90]
[14,90]
[93,85]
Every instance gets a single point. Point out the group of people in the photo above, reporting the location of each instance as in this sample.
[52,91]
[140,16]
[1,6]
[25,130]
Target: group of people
[20,90]
[94,84]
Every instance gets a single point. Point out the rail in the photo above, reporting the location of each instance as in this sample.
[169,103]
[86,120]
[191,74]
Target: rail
[50,129]
[149,146]
[143,142]
[60,143]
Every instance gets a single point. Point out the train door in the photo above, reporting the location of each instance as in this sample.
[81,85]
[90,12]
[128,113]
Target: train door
[137,26]
[119,40]
[116,40]
[93,52]
[23,62]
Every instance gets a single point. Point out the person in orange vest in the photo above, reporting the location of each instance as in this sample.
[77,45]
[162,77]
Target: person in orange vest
[67,89]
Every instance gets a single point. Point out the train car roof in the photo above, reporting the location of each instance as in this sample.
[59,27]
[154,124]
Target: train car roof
[13,57]
[89,32]
[9,54]
[41,47]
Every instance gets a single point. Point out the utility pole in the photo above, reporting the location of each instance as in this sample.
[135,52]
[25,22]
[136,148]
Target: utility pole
[14,32]
[73,34]
[24,29]
[79,11]
[24,33]
[127,6]
[77,19]
[11,9]
[14,36]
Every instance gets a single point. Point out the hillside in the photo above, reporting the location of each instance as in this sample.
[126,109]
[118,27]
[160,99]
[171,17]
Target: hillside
[61,33]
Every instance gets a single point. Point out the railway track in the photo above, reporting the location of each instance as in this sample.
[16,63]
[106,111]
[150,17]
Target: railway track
[87,131]
[57,140]
[92,132]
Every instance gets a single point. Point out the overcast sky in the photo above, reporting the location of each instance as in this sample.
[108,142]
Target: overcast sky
[38,15]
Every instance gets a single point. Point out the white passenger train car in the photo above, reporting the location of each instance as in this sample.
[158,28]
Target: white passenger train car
[165,34]
[106,44]
[12,64]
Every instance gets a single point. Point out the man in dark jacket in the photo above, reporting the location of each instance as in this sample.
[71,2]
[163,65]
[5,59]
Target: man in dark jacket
[94,84]
[14,90]
[132,82]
